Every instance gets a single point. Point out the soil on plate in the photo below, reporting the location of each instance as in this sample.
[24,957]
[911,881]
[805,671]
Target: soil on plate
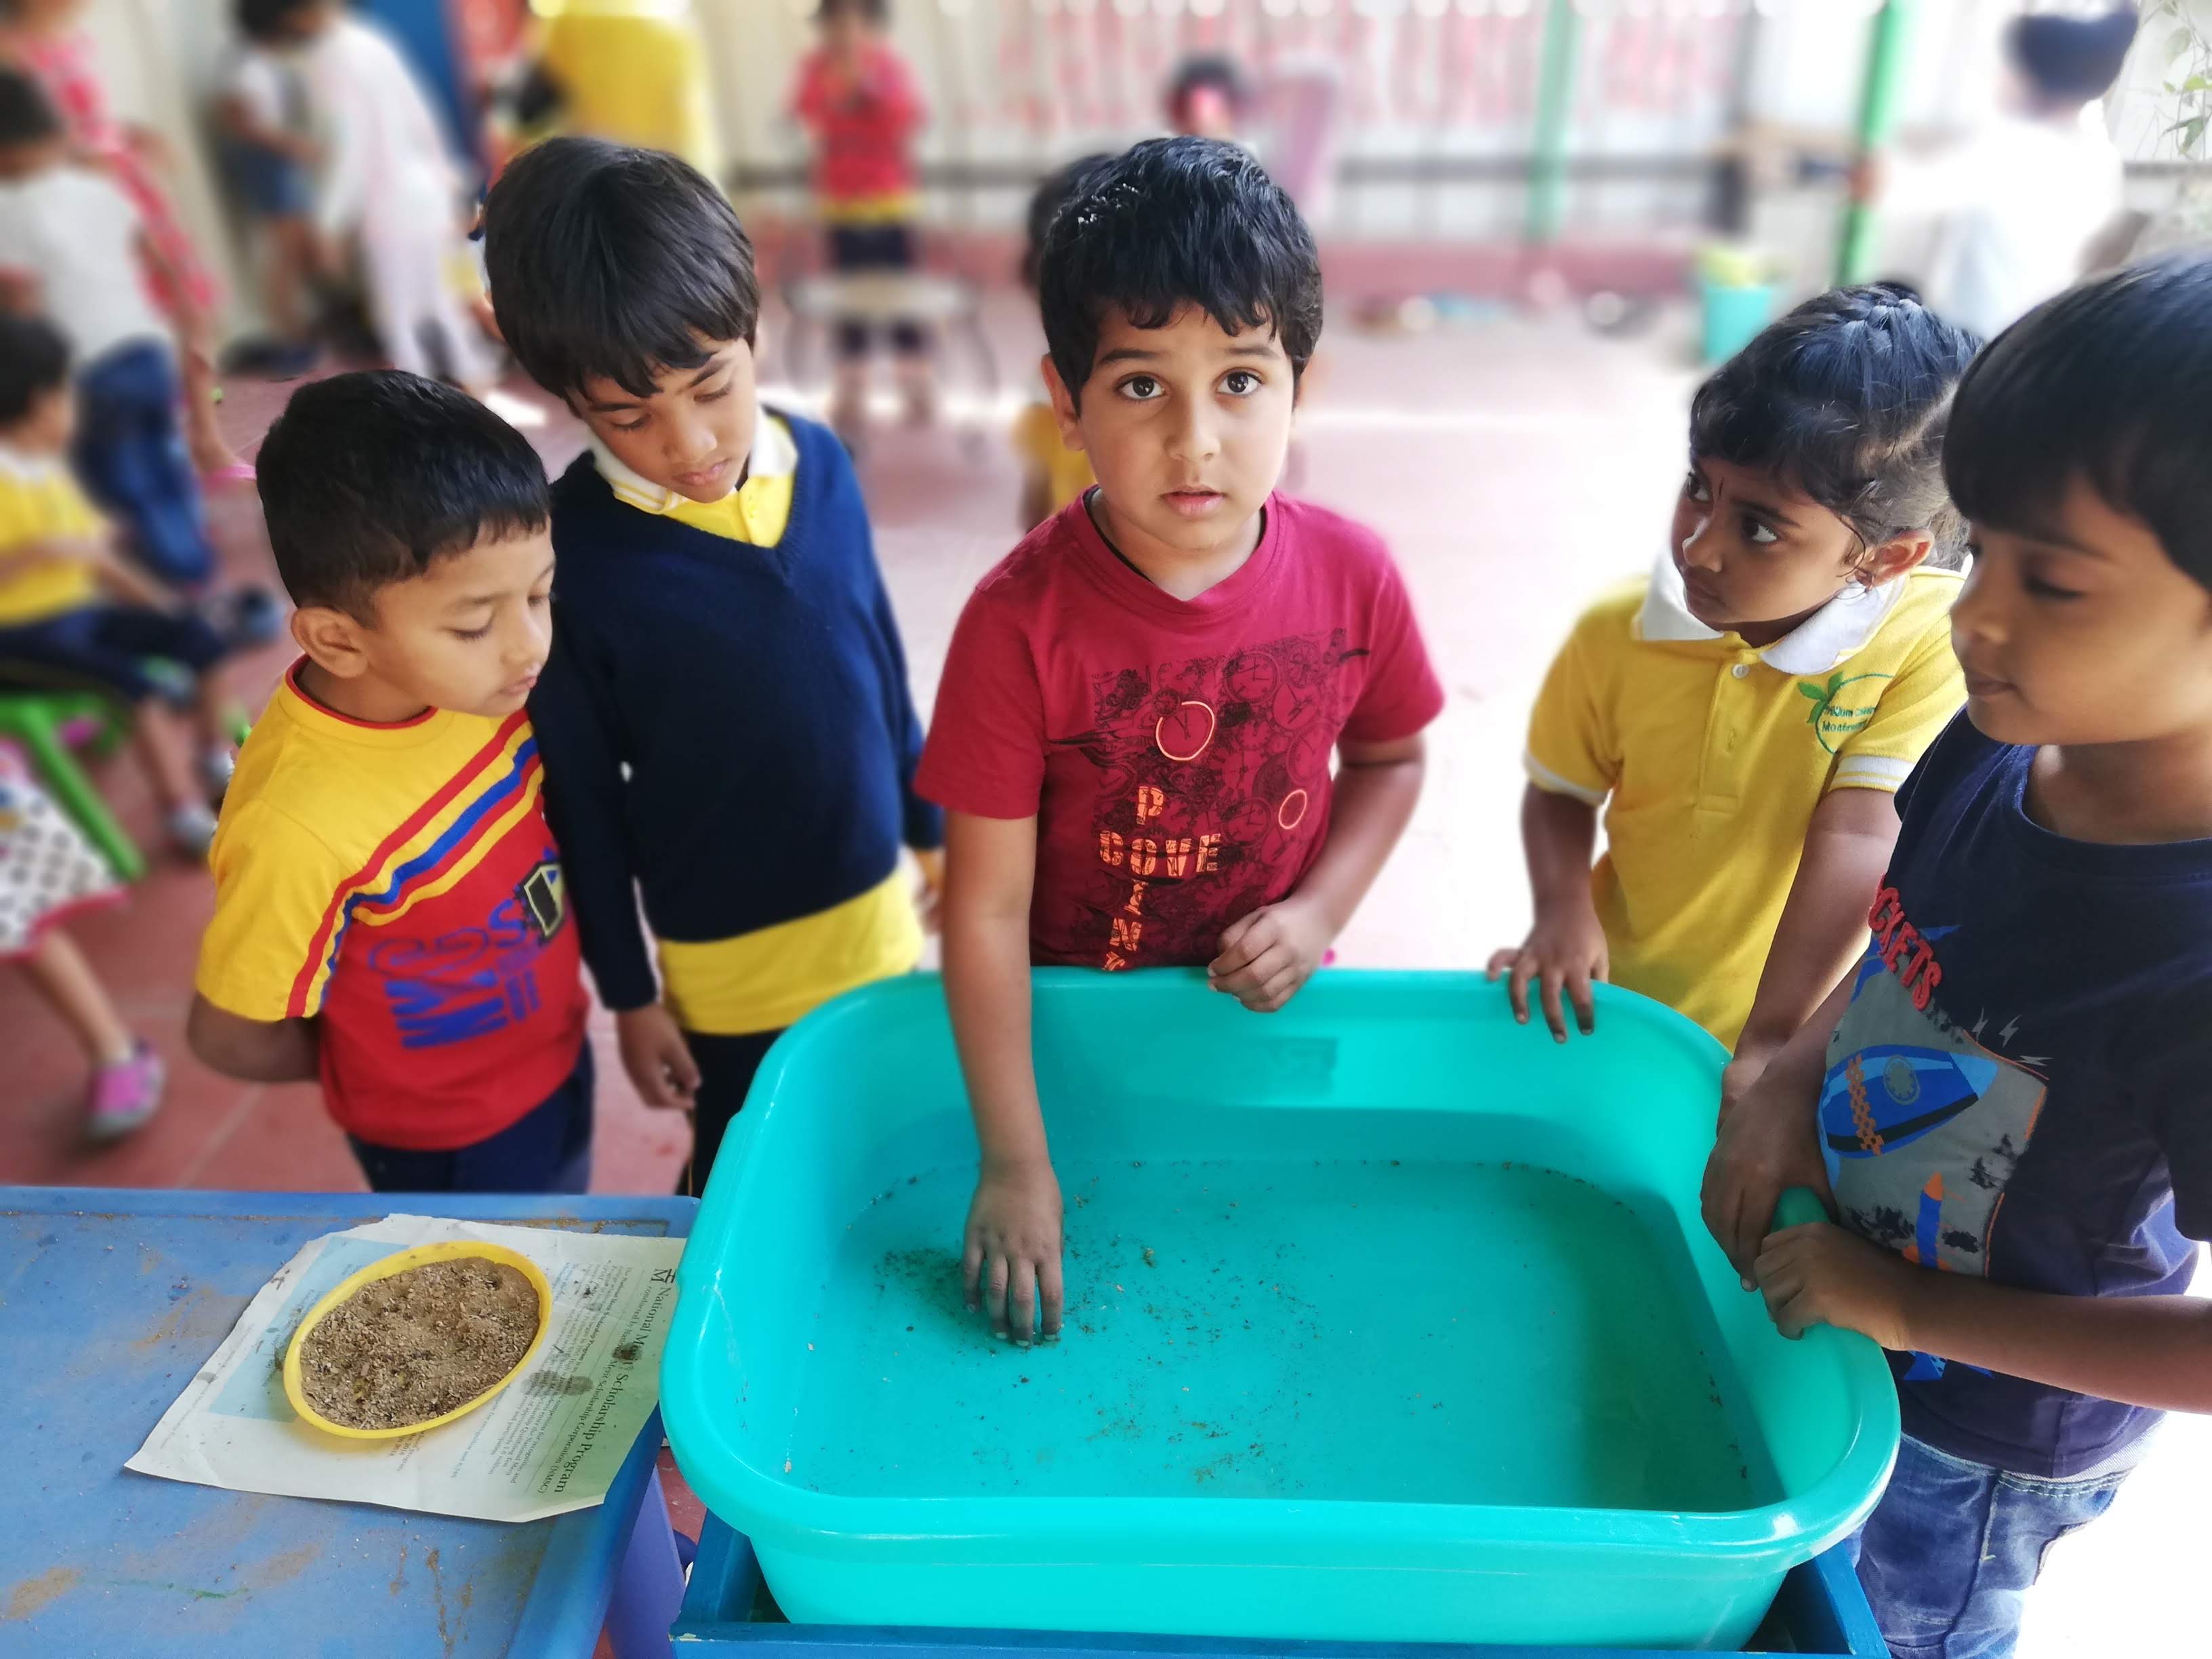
[419,1344]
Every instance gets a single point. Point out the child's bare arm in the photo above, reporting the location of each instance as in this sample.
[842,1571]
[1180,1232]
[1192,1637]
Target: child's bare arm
[125,580]
[1566,950]
[1266,955]
[2154,1351]
[1012,1248]
[46,550]
[1823,926]
[260,1051]
[1767,1144]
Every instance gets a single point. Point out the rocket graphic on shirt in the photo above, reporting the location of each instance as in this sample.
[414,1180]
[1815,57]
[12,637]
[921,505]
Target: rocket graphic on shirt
[1921,1126]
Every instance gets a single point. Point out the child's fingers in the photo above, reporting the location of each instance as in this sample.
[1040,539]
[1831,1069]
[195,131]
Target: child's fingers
[1051,1297]
[971,1273]
[1246,982]
[1554,1015]
[1248,947]
[1236,931]
[1585,1005]
[1517,986]
[1753,1204]
[1281,985]
[682,1067]
[1500,961]
[994,1291]
[1023,1302]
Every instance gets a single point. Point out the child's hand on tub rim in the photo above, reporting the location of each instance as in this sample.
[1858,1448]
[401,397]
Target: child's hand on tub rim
[1010,1263]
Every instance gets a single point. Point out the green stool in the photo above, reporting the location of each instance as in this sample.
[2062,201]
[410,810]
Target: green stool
[40,721]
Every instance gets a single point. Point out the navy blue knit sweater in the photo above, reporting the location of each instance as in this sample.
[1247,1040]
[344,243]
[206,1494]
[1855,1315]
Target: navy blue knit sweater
[758,697]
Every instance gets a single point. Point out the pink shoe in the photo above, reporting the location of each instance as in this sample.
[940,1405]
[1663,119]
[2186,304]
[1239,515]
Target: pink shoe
[125,1093]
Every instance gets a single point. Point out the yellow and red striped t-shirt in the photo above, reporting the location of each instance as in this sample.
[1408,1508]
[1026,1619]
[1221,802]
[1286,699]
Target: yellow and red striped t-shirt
[399,882]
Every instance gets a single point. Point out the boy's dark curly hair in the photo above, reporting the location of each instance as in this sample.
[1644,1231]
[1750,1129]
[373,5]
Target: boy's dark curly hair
[1172,223]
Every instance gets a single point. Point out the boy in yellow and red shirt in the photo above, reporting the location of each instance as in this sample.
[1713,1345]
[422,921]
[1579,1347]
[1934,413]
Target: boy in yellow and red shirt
[389,913]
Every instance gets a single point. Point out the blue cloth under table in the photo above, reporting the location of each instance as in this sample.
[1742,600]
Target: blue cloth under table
[109,1300]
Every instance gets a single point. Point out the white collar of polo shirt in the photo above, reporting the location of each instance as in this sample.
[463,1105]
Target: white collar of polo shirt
[775,456]
[1832,635]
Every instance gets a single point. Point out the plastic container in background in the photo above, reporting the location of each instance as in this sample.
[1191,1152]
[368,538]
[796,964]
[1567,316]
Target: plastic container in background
[1731,316]
[1738,289]
[1389,1320]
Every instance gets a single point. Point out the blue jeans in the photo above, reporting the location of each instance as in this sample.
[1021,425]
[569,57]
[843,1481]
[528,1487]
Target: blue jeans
[547,1150]
[1949,1552]
[132,456]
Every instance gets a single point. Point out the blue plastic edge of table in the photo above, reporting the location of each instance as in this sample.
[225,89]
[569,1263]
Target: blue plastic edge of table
[1821,1605]
[575,1578]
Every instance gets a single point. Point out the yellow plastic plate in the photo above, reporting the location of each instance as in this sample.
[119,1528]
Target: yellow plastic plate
[400,1263]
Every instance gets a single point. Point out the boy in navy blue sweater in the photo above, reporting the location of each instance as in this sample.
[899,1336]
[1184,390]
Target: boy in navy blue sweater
[2005,1099]
[726,719]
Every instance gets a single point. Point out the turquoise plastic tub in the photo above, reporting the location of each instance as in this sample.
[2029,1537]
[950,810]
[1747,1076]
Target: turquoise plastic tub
[1388,1319]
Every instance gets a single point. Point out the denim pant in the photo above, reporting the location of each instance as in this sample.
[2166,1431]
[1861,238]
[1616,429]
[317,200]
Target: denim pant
[132,455]
[1948,1554]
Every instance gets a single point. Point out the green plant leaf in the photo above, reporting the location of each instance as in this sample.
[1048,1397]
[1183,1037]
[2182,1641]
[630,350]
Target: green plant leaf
[2193,134]
[2177,42]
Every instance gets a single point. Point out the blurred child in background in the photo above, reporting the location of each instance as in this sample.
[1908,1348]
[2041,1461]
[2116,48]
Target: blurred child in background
[634,71]
[43,38]
[1207,98]
[2024,196]
[1053,475]
[388,182]
[73,614]
[70,246]
[858,98]
[48,870]
[269,154]
[1743,717]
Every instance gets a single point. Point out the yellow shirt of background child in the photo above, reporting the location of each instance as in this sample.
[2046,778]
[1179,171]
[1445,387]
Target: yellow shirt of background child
[40,501]
[1037,442]
[1708,757]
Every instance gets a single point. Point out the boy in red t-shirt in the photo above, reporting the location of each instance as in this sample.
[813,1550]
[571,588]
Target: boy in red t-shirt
[1133,733]
[857,100]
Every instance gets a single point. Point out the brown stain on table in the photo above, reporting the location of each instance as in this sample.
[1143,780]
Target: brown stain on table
[30,1596]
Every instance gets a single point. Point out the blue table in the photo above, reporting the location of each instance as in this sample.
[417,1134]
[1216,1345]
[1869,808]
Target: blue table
[109,1300]
[1821,1613]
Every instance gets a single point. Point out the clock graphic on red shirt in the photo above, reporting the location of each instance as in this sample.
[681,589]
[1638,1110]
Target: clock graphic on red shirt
[1184,731]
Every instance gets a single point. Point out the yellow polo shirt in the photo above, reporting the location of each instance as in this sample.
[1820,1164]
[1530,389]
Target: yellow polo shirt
[40,502]
[1709,756]
[767,979]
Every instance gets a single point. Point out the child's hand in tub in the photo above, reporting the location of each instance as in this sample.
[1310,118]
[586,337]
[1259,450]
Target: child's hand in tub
[1012,1261]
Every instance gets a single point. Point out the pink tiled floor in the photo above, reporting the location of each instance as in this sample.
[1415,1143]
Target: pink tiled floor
[1516,466]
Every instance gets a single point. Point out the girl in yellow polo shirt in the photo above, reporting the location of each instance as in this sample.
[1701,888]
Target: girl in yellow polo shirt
[1742,716]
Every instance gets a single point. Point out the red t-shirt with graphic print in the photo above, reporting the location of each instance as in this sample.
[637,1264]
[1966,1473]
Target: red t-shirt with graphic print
[1176,753]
